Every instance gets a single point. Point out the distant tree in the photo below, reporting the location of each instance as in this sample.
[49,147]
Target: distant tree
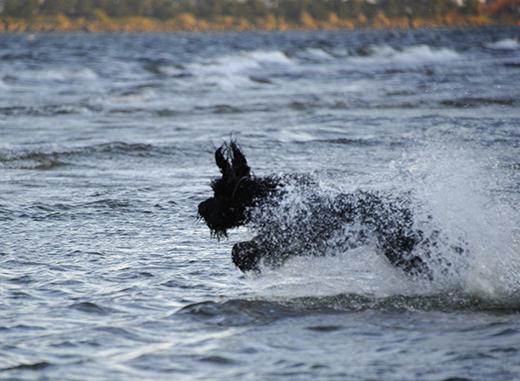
[341,8]
[257,8]
[24,9]
[471,7]
[392,8]
[369,9]
[356,8]
[118,8]
[139,7]
[319,10]
[84,8]
[56,7]
[291,10]
[184,6]
[206,8]
[422,8]
[234,9]
[163,9]
[254,11]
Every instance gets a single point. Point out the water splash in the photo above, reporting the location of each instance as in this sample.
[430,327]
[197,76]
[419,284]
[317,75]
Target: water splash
[474,254]
[459,187]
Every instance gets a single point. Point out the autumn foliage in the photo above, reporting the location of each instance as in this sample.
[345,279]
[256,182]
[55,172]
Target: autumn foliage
[196,15]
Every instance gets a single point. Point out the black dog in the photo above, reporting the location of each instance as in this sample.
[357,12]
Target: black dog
[317,226]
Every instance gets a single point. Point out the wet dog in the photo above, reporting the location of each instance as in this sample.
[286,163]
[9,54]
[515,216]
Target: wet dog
[315,226]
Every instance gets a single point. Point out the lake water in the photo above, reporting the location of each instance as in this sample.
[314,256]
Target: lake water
[106,149]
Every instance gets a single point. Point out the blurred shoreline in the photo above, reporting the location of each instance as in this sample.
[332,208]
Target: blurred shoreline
[188,22]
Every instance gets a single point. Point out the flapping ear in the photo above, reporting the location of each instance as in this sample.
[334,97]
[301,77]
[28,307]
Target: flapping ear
[222,163]
[239,163]
[238,156]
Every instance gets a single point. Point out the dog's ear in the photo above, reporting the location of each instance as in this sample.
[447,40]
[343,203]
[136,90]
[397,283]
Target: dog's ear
[238,157]
[221,161]
[239,162]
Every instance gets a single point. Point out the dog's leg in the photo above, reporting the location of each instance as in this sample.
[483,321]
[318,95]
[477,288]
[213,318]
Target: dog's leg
[399,255]
[247,255]
[392,224]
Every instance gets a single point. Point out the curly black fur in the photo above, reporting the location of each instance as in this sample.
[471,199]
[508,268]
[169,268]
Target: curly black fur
[235,192]
[368,218]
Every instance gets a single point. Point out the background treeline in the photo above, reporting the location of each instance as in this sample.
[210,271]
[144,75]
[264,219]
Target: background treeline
[290,10]
[241,14]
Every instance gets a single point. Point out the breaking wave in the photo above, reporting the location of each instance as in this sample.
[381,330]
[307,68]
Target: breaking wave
[41,160]
[54,75]
[236,70]
[408,57]
[506,44]
[249,69]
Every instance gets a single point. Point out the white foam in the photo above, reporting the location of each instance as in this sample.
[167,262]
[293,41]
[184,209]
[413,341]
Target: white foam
[359,271]
[137,97]
[57,75]
[84,74]
[245,62]
[409,57]
[383,51]
[506,44]
[233,71]
[228,81]
[224,65]
[274,57]
[315,54]
[424,53]
[170,70]
[295,135]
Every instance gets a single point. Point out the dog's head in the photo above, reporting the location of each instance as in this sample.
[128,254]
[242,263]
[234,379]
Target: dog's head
[234,192]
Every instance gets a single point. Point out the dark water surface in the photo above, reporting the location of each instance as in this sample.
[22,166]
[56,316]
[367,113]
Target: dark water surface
[106,149]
